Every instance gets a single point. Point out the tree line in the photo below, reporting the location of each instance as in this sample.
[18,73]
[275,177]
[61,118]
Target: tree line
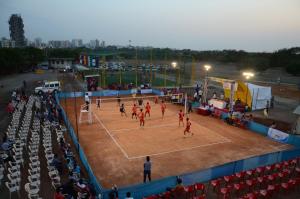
[14,60]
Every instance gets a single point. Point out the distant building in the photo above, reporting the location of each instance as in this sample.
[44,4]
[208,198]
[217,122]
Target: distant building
[38,42]
[77,43]
[102,45]
[7,43]
[16,28]
[60,63]
[94,44]
[59,44]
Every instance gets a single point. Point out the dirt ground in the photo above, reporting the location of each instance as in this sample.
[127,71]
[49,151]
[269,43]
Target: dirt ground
[116,146]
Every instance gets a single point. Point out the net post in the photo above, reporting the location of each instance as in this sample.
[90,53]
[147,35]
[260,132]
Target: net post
[185,102]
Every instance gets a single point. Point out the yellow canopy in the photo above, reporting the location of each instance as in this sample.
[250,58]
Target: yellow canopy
[241,92]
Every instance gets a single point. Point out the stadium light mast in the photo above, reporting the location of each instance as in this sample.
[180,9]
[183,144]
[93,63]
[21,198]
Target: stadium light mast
[174,65]
[247,75]
[207,68]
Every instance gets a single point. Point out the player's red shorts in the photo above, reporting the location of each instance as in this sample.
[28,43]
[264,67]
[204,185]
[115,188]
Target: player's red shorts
[187,129]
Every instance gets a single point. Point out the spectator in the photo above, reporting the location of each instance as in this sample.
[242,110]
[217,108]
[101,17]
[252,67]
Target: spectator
[58,194]
[57,163]
[147,169]
[76,168]
[128,195]
[80,184]
[214,95]
[274,125]
[68,188]
[114,192]
[178,191]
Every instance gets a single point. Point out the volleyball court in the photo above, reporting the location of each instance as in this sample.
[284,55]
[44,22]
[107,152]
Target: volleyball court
[160,134]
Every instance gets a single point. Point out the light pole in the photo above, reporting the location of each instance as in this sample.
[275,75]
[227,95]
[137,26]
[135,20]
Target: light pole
[247,75]
[207,68]
[174,65]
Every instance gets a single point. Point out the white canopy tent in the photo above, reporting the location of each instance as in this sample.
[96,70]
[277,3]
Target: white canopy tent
[260,96]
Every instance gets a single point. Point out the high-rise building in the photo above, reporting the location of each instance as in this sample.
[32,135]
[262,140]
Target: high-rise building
[16,28]
[94,43]
[38,42]
[7,43]
[102,45]
[76,43]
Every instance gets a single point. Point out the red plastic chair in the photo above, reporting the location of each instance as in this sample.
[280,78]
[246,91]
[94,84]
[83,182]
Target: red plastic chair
[249,173]
[252,195]
[270,168]
[260,171]
[278,166]
[297,171]
[264,193]
[272,178]
[190,191]
[215,184]
[225,192]
[199,187]
[228,179]
[238,187]
[240,175]
[262,181]
[251,184]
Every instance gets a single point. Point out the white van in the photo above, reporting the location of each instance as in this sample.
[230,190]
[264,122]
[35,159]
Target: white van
[48,87]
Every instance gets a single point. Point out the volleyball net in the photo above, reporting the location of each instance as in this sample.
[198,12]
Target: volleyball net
[103,102]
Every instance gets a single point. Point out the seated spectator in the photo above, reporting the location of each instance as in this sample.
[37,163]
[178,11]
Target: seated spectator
[80,184]
[58,194]
[68,188]
[57,163]
[61,142]
[72,177]
[70,164]
[76,168]
[10,107]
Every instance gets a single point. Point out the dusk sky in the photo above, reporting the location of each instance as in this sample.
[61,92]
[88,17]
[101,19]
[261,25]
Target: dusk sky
[252,25]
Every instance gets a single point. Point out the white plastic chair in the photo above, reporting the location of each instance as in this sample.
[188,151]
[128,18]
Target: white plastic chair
[12,188]
[31,189]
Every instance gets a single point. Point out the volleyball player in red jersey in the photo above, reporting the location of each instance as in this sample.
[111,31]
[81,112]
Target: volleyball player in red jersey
[134,111]
[142,118]
[156,100]
[181,116]
[188,127]
[148,108]
[163,108]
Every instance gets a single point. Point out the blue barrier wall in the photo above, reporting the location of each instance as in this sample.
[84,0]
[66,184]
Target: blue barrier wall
[158,186]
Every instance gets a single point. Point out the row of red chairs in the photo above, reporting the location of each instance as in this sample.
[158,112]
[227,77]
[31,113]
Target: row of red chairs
[196,191]
[259,171]
[271,190]
[255,178]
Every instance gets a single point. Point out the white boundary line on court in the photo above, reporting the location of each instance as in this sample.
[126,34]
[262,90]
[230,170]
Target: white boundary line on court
[179,150]
[107,131]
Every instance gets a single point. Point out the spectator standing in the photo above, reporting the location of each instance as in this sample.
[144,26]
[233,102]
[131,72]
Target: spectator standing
[147,169]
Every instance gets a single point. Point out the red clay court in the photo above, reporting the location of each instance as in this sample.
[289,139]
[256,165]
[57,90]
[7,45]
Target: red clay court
[116,146]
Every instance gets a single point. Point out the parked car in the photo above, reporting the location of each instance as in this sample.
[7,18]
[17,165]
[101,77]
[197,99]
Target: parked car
[48,87]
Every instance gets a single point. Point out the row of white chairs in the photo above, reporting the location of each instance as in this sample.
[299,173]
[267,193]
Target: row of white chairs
[19,135]
[47,143]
